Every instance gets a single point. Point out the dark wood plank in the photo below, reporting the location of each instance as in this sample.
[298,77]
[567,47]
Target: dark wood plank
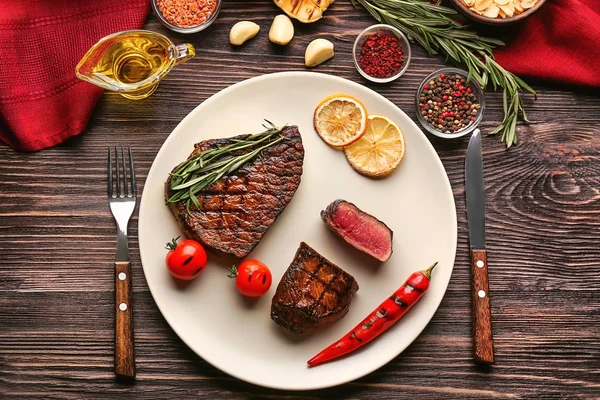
[57,241]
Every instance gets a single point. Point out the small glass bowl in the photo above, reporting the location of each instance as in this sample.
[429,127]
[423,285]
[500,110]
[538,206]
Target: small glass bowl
[189,29]
[474,87]
[381,28]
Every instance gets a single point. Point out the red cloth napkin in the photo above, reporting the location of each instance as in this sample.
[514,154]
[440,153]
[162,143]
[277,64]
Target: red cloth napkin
[560,43]
[42,102]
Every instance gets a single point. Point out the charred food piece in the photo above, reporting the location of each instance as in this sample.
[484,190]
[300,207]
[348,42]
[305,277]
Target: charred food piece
[236,211]
[361,230]
[312,292]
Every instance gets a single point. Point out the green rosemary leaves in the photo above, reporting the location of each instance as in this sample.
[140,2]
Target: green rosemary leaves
[207,167]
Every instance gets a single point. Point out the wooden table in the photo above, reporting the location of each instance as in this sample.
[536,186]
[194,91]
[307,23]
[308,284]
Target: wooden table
[57,243]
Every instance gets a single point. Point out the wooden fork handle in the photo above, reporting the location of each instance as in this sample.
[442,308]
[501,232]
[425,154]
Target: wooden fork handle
[483,347]
[124,354]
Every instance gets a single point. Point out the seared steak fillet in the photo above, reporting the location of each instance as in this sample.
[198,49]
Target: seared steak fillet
[236,211]
[361,230]
[312,292]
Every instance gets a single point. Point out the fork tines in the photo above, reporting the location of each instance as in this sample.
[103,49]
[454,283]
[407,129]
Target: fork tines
[124,185]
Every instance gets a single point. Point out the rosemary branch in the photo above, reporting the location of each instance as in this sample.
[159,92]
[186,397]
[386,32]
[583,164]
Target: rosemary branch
[433,27]
[207,167]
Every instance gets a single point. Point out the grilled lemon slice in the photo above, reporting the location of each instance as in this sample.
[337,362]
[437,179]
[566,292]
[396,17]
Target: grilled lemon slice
[304,10]
[379,151]
[340,120]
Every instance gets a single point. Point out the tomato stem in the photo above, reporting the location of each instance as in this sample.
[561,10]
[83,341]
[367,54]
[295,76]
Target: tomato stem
[172,245]
[233,271]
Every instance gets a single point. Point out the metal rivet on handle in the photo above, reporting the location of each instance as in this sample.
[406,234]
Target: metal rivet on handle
[122,276]
[122,306]
[480,264]
[481,293]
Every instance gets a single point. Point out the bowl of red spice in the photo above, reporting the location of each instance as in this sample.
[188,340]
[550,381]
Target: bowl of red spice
[381,53]
[186,16]
[448,104]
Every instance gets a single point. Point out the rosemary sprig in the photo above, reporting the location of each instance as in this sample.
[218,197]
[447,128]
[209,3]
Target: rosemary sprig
[433,27]
[207,167]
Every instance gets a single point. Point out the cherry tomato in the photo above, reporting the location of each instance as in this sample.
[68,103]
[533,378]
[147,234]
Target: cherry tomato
[252,278]
[185,260]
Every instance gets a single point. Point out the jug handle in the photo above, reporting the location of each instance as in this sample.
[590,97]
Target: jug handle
[184,52]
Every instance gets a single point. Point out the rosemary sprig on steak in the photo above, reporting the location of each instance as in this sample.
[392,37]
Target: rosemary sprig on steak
[207,167]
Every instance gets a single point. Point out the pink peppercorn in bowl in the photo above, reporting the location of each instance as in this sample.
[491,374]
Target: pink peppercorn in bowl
[186,16]
[447,105]
[381,53]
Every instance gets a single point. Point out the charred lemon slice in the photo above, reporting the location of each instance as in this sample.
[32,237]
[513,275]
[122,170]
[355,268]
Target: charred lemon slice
[304,10]
[380,150]
[340,120]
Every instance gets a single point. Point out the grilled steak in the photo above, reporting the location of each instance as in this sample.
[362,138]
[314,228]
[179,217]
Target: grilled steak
[361,230]
[236,211]
[312,292]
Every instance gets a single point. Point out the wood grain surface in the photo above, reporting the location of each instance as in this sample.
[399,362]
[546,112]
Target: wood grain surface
[57,243]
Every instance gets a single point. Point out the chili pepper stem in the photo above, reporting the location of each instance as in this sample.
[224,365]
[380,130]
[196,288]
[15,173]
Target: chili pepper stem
[427,272]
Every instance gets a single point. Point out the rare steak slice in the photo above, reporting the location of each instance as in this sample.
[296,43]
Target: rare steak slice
[236,211]
[312,292]
[361,230]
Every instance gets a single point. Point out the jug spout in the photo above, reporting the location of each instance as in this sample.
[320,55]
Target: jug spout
[184,52]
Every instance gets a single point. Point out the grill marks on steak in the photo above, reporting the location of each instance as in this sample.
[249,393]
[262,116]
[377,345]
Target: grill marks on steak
[312,292]
[362,230]
[237,210]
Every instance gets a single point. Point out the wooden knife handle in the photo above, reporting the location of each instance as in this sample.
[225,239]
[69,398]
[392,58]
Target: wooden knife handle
[124,354]
[483,347]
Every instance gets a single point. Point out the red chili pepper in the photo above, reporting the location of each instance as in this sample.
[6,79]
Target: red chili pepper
[380,320]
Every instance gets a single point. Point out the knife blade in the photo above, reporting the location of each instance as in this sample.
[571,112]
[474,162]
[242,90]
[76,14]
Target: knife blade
[483,347]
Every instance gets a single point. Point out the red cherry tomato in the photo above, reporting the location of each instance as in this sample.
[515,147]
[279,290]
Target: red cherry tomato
[185,260]
[252,278]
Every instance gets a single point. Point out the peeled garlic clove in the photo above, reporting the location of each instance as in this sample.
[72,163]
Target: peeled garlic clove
[242,31]
[317,52]
[282,30]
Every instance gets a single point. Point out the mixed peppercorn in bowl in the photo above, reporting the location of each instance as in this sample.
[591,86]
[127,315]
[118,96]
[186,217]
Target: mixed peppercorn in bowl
[448,105]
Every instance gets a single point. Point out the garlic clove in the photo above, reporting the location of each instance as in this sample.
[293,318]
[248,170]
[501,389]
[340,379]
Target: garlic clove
[282,30]
[317,52]
[242,31]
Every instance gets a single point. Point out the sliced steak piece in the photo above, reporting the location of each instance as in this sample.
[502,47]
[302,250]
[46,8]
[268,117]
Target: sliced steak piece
[361,230]
[312,292]
[236,211]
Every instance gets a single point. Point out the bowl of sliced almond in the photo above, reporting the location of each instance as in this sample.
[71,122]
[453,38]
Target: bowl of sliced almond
[498,12]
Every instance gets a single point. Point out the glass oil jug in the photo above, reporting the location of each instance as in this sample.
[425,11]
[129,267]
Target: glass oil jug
[132,63]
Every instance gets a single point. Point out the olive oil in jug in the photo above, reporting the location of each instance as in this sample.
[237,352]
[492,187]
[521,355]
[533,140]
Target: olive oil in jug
[132,63]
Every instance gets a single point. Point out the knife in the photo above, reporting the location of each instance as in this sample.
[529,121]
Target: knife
[483,347]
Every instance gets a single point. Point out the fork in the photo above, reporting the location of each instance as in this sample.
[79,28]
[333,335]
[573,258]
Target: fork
[122,196]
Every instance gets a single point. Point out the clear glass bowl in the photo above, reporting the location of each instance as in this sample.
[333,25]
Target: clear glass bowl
[480,96]
[190,29]
[381,28]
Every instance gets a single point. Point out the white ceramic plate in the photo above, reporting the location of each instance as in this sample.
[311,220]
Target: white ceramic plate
[236,335]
